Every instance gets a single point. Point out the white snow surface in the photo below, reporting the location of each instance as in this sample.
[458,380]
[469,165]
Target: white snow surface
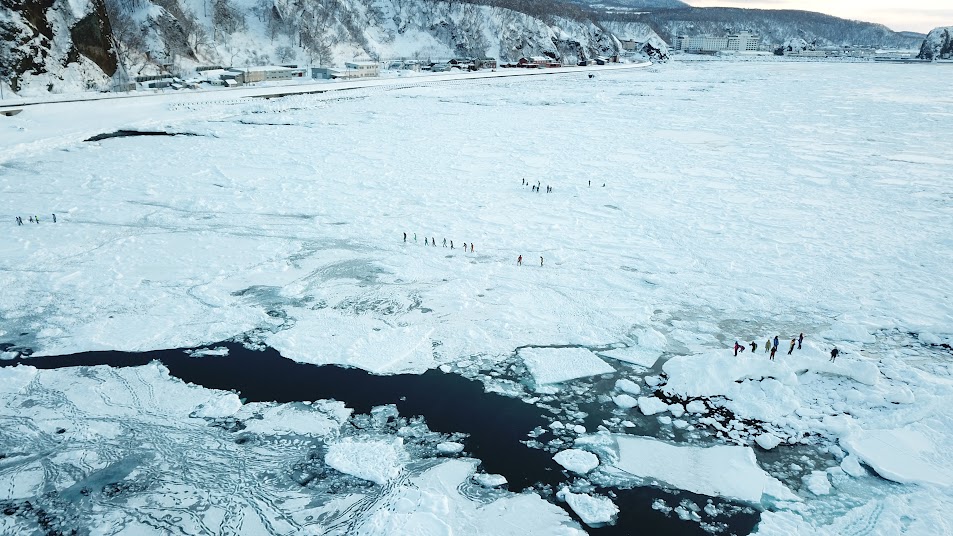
[649,405]
[818,483]
[557,365]
[913,454]
[625,401]
[376,460]
[577,461]
[594,510]
[721,470]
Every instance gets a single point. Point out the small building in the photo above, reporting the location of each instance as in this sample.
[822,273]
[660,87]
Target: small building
[537,62]
[361,69]
[267,73]
[325,73]
[485,63]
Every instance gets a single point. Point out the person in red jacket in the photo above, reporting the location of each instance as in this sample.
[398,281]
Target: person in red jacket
[738,347]
[519,261]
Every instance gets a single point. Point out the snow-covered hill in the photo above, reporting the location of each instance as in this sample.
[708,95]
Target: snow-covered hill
[55,44]
[774,26]
[53,49]
[938,44]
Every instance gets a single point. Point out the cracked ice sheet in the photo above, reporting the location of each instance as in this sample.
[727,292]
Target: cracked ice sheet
[137,432]
[717,471]
[557,365]
[432,503]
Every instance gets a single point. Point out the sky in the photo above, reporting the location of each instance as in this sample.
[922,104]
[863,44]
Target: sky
[914,15]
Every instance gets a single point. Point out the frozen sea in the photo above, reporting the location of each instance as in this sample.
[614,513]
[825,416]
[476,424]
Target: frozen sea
[692,205]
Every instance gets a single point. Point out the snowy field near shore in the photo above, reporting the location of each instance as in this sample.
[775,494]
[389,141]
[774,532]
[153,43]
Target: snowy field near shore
[693,205]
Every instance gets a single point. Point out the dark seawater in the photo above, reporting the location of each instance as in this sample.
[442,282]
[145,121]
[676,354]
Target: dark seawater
[449,403]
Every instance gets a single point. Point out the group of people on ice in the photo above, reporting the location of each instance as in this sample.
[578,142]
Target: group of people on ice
[433,242]
[537,186]
[33,219]
[771,347]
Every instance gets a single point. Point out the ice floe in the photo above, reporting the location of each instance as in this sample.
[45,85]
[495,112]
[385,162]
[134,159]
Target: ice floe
[718,471]
[556,365]
[577,461]
[593,510]
[377,460]
[913,454]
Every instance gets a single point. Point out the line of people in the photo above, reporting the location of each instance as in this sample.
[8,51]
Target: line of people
[431,241]
[771,347]
[33,219]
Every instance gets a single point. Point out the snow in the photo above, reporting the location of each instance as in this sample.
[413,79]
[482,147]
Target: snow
[767,441]
[376,460]
[489,480]
[721,470]
[625,401]
[577,461]
[651,405]
[432,503]
[557,365]
[912,454]
[628,386]
[449,447]
[818,483]
[594,510]
[851,465]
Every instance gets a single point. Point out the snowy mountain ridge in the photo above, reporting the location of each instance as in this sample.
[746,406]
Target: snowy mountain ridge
[145,37]
[774,26]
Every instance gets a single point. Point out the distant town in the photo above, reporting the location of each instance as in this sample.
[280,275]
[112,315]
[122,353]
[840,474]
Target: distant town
[217,75]
[746,43]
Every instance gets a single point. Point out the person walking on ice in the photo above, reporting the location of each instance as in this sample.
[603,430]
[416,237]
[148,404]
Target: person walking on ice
[834,353]
[519,261]
[800,338]
[54,218]
[451,244]
[767,345]
[793,342]
[471,247]
[433,241]
[773,350]
[444,242]
[776,342]
[540,261]
[405,237]
[754,347]
[464,246]
[738,347]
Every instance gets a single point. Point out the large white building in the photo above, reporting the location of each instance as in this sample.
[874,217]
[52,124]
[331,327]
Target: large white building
[739,42]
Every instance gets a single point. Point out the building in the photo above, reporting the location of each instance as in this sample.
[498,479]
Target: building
[263,73]
[485,63]
[536,62]
[361,69]
[739,42]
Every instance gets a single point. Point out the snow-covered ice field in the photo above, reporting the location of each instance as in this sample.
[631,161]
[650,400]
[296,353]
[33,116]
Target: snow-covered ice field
[727,202]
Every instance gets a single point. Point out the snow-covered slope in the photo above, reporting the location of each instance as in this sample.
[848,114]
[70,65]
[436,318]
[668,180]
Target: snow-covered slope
[938,44]
[652,44]
[151,36]
[54,45]
[774,26]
